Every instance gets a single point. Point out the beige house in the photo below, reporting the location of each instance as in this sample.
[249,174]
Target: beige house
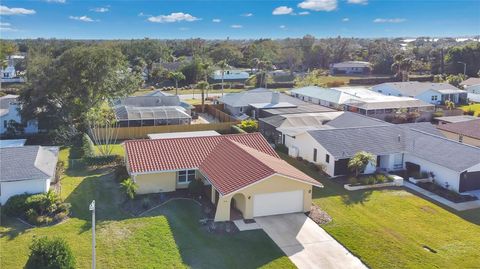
[242,171]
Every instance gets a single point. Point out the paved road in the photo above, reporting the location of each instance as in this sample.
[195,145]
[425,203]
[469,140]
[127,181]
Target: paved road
[306,243]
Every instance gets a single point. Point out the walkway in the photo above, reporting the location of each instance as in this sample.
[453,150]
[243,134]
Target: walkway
[306,243]
[457,206]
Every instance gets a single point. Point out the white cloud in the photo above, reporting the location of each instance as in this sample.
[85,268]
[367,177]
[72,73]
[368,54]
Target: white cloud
[173,17]
[319,5]
[4,10]
[345,19]
[5,24]
[7,29]
[247,14]
[303,13]
[282,10]
[57,1]
[393,20]
[100,9]
[283,27]
[216,20]
[360,2]
[236,26]
[81,18]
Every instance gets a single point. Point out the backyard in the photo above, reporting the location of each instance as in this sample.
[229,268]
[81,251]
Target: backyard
[394,228]
[167,237]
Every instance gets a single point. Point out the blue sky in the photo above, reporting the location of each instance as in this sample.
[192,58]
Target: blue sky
[167,19]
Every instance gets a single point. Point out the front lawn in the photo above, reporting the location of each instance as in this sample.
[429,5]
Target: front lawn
[169,237]
[389,228]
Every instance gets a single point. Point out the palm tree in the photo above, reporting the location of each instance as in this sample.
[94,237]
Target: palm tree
[203,85]
[176,77]
[402,66]
[264,67]
[207,69]
[223,65]
[359,162]
[129,187]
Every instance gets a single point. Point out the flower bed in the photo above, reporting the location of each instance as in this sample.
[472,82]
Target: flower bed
[445,193]
[373,181]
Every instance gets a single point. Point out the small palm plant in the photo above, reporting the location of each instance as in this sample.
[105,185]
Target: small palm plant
[129,187]
[359,162]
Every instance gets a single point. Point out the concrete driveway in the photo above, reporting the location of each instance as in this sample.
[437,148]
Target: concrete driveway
[306,243]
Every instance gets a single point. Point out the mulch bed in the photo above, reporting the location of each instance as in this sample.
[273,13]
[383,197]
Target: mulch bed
[445,193]
[318,215]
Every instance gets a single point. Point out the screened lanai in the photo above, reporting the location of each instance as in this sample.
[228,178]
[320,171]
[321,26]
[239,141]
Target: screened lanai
[131,116]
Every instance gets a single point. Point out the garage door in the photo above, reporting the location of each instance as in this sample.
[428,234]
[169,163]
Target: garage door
[277,203]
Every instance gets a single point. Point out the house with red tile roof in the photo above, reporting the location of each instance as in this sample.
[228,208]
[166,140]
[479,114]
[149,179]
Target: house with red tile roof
[241,170]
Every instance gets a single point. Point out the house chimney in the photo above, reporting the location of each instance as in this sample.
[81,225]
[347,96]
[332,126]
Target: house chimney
[275,97]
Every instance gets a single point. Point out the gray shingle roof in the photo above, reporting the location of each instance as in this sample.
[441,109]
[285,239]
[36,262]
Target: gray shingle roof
[259,95]
[417,139]
[414,88]
[27,163]
[304,108]
[349,119]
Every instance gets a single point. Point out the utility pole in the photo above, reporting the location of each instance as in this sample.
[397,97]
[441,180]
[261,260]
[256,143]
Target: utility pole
[92,208]
[464,67]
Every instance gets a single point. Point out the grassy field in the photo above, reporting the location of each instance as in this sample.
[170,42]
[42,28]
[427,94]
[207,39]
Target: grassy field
[169,237]
[474,107]
[389,228]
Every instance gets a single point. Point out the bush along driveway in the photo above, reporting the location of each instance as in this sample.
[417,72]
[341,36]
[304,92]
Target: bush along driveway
[394,228]
[167,237]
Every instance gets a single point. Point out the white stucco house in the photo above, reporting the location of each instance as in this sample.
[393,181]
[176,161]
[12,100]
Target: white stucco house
[26,169]
[9,111]
[433,93]
[351,68]
[419,146]
[9,74]
[229,76]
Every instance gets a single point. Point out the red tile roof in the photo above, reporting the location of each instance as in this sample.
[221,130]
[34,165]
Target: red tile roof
[469,128]
[230,162]
[152,155]
[232,166]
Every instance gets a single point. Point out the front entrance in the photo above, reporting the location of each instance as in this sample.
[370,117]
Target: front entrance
[277,203]
[469,181]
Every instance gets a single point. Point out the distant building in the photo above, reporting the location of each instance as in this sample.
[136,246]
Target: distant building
[9,74]
[471,85]
[10,114]
[467,131]
[363,101]
[229,76]
[351,68]
[433,93]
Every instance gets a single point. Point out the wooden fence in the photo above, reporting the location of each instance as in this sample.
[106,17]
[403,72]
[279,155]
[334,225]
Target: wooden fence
[225,124]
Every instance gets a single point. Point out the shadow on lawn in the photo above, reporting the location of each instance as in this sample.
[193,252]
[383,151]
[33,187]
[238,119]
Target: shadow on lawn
[201,249]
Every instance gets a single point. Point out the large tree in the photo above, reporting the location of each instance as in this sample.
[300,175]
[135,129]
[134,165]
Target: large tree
[66,88]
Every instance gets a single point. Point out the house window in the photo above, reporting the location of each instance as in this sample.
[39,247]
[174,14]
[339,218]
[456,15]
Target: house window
[434,98]
[5,124]
[314,155]
[327,158]
[186,176]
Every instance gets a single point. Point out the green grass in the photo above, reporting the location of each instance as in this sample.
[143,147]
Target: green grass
[474,107]
[388,228]
[169,237]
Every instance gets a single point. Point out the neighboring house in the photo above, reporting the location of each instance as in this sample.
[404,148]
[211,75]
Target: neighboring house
[229,76]
[251,103]
[9,74]
[304,108]
[9,113]
[467,132]
[282,129]
[363,101]
[351,68]
[471,85]
[455,119]
[396,147]
[242,171]
[26,169]
[152,110]
[11,143]
[433,93]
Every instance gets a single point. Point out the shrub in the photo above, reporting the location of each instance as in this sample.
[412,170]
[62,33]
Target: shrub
[88,147]
[195,187]
[237,130]
[352,180]
[37,202]
[50,253]
[31,215]
[129,187]
[101,160]
[15,205]
[249,126]
[379,178]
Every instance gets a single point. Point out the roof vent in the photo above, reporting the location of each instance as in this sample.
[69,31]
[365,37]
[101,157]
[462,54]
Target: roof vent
[275,97]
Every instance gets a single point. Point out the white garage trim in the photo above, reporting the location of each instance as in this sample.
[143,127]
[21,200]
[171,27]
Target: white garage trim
[277,203]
